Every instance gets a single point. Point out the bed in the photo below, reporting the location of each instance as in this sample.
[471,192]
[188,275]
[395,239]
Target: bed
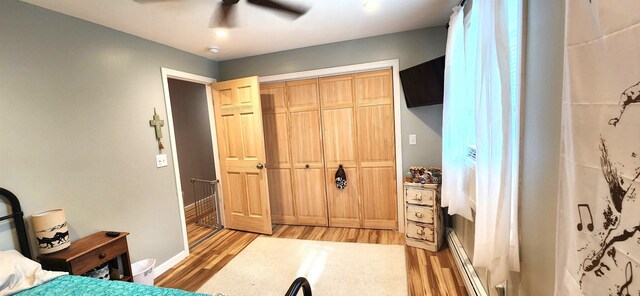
[22,276]
[79,285]
[19,275]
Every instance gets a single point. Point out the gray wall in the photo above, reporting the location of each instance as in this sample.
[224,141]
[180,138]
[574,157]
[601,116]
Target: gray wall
[542,103]
[411,48]
[193,134]
[541,144]
[75,104]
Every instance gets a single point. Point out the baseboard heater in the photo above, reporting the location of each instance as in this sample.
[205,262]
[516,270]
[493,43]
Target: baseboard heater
[465,267]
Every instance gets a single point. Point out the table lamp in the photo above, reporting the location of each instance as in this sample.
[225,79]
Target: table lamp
[50,228]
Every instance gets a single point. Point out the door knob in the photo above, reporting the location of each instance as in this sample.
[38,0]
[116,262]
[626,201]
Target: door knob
[306,166]
[259,166]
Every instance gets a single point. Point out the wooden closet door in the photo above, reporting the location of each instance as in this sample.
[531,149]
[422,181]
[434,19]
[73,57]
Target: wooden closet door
[306,152]
[338,118]
[276,132]
[376,148]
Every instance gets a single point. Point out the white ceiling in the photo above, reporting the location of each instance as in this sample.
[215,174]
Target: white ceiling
[184,24]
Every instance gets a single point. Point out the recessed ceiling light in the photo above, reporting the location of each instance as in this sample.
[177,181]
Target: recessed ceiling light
[371,6]
[213,49]
[221,33]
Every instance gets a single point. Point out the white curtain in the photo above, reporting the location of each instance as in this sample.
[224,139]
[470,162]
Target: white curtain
[598,226]
[496,227]
[481,108]
[456,122]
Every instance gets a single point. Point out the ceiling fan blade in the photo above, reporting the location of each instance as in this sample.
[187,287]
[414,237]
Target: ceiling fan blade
[224,17]
[292,10]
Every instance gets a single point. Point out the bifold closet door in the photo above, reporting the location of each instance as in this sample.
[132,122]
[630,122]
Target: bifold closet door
[338,118]
[276,131]
[312,127]
[376,148]
[306,152]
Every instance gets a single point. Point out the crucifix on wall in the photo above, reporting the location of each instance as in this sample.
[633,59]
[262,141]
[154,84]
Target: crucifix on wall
[157,124]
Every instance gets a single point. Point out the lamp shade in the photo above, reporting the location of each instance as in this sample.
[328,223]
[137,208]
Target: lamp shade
[50,228]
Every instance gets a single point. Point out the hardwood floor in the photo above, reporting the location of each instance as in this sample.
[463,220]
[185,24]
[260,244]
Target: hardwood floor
[427,273]
[195,232]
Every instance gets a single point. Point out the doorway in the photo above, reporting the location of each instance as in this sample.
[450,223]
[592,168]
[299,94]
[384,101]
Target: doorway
[195,157]
[194,148]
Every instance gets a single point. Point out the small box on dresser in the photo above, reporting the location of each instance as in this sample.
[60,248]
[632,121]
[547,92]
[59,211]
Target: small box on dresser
[423,216]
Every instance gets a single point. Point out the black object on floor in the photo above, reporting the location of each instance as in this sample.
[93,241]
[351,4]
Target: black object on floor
[296,285]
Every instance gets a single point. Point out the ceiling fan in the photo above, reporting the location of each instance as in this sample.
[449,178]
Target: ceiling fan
[224,18]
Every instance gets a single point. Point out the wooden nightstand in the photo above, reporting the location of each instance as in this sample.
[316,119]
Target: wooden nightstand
[90,252]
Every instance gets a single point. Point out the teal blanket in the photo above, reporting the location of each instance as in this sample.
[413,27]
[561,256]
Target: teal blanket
[80,285]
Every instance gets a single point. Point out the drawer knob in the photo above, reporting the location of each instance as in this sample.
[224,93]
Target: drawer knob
[102,255]
[418,196]
[419,215]
[420,231]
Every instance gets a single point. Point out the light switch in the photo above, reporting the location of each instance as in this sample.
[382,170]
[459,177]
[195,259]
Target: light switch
[412,139]
[161,160]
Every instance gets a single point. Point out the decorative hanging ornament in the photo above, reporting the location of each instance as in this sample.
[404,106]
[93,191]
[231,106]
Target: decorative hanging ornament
[341,178]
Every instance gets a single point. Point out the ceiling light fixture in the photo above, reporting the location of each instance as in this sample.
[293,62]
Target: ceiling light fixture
[371,6]
[213,49]
[222,33]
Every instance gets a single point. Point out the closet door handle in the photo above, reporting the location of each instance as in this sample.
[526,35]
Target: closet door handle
[259,166]
[306,166]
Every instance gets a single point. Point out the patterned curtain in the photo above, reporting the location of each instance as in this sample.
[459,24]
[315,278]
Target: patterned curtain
[598,232]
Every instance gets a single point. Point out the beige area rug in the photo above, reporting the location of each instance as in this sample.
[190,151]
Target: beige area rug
[268,266]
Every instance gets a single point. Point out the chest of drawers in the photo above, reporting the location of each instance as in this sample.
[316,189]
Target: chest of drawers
[423,216]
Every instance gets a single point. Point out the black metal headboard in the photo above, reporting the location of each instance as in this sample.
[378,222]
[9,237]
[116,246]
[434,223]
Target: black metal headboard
[17,216]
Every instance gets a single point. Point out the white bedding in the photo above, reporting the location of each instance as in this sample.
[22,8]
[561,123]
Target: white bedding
[19,273]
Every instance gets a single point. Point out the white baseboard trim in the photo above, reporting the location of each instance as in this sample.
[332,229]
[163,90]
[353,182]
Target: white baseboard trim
[465,267]
[189,207]
[173,261]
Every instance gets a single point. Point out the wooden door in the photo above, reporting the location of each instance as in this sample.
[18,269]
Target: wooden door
[276,132]
[306,152]
[242,154]
[338,118]
[376,148]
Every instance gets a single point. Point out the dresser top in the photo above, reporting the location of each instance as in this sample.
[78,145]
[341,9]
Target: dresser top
[83,246]
[432,186]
